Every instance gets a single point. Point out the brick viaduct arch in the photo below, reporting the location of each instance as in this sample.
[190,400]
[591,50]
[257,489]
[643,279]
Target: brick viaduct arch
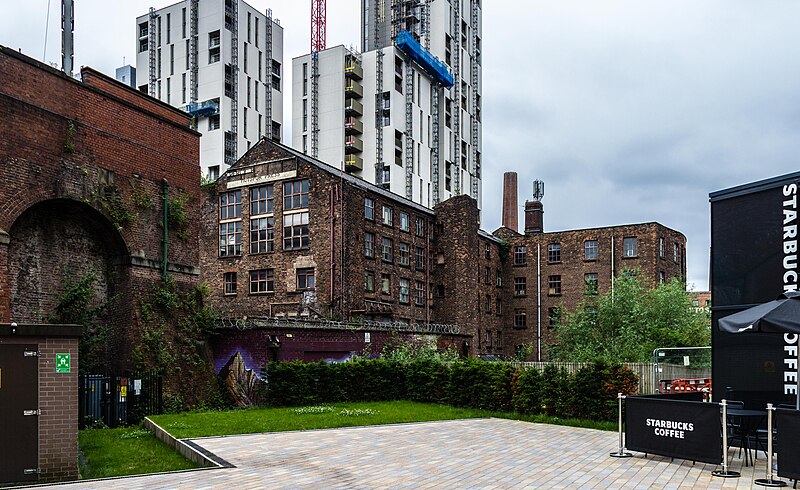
[53,243]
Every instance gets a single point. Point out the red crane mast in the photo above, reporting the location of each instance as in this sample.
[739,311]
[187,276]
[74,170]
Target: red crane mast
[317,25]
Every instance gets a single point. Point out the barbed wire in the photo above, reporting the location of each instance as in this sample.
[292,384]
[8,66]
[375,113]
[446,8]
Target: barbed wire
[248,323]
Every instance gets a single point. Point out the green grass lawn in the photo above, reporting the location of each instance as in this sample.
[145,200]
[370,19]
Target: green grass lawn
[126,451]
[201,424]
[129,451]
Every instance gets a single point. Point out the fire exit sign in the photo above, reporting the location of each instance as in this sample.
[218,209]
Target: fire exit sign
[62,363]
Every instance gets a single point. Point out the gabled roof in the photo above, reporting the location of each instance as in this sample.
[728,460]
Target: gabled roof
[333,171]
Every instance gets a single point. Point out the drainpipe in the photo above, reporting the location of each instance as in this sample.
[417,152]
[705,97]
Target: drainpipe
[165,241]
[612,269]
[538,303]
[427,265]
[332,247]
[342,268]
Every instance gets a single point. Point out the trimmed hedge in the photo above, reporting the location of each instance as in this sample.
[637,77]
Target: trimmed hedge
[590,393]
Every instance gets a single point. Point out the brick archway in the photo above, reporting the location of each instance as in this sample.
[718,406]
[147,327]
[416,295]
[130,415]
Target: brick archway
[50,245]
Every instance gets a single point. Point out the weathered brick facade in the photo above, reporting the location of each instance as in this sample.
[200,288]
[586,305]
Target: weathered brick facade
[465,275]
[593,255]
[83,169]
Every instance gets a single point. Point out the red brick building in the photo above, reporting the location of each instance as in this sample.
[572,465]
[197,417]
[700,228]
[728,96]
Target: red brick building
[298,241]
[85,166]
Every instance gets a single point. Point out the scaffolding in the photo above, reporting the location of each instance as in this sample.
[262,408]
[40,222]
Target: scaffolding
[151,46]
[268,83]
[315,104]
[476,170]
[435,143]
[231,144]
[409,146]
[456,56]
[426,25]
[378,100]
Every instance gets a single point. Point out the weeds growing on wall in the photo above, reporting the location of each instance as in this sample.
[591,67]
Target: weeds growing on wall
[76,305]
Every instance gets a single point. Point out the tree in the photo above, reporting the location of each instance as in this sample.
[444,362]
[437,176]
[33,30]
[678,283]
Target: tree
[629,322]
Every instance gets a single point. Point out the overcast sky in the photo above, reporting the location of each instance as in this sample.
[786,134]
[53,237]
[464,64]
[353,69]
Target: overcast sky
[630,111]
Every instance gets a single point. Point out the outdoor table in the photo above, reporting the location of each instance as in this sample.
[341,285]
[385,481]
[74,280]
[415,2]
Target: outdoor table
[749,422]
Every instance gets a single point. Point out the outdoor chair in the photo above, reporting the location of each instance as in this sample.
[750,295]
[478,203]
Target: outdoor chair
[733,427]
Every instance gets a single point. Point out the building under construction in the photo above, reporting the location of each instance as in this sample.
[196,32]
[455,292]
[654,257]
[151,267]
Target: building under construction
[405,113]
[221,61]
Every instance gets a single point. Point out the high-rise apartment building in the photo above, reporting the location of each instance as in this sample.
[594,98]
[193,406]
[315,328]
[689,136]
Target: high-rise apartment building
[221,61]
[404,114]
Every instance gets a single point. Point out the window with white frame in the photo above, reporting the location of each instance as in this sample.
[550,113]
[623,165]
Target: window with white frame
[387,253]
[404,290]
[590,249]
[404,254]
[369,208]
[520,255]
[520,286]
[387,215]
[554,252]
[404,221]
[420,227]
[629,247]
[369,245]
[230,226]
[419,258]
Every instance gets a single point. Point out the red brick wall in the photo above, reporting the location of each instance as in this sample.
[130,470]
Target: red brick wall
[573,266]
[81,170]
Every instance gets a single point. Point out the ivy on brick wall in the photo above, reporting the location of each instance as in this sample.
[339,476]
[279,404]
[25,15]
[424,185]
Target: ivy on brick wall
[76,305]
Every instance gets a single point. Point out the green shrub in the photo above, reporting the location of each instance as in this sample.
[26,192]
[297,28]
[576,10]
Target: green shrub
[589,394]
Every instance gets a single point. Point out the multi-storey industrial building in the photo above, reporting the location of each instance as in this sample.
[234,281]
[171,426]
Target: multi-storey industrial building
[303,242]
[221,61]
[405,114]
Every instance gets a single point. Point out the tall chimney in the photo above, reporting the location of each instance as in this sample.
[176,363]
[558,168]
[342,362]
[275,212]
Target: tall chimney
[534,217]
[510,216]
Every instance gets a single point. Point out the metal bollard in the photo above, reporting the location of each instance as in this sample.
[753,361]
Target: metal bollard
[725,473]
[769,481]
[621,453]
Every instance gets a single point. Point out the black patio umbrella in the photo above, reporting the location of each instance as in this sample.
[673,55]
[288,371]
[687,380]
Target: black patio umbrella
[779,316]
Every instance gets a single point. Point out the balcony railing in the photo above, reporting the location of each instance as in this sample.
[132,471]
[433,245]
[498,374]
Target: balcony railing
[353,107]
[354,71]
[353,126]
[353,144]
[353,163]
[354,89]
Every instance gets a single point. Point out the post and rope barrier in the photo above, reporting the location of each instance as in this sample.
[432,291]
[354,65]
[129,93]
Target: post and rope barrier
[769,481]
[621,453]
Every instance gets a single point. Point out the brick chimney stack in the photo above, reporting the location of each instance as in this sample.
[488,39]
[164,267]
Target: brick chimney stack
[534,217]
[510,216]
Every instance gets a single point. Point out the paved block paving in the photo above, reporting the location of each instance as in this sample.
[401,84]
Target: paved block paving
[459,454]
